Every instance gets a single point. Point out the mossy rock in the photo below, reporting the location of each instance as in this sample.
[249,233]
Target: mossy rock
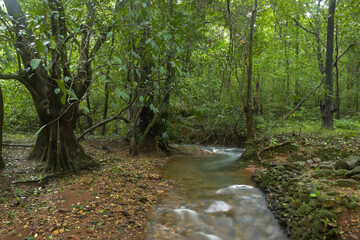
[327,154]
[321,173]
[281,148]
[326,214]
[341,164]
[340,172]
[250,155]
[305,209]
[352,172]
[346,182]
[356,177]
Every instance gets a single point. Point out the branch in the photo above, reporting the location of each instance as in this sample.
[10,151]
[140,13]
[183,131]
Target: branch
[10,77]
[303,100]
[117,116]
[304,28]
[93,127]
[336,61]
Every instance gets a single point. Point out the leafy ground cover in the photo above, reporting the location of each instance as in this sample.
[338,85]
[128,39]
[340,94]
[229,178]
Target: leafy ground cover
[113,202]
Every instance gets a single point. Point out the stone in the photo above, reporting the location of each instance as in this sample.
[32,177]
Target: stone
[321,173]
[323,213]
[341,164]
[353,161]
[356,177]
[326,165]
[340,172]
[352,172]
[346,182]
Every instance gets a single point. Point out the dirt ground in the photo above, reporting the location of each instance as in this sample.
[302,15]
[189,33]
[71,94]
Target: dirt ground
[113,202]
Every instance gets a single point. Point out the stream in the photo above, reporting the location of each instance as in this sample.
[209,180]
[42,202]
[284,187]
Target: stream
[212,200]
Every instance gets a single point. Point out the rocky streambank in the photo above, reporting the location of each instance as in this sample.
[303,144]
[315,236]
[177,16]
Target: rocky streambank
[313,197]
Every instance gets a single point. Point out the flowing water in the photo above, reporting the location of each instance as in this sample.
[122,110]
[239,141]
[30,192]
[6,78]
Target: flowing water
[213,200]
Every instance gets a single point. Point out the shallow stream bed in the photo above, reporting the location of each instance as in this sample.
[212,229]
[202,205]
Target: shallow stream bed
[213,200]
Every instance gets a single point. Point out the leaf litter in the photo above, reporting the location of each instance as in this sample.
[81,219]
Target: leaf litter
[113,202]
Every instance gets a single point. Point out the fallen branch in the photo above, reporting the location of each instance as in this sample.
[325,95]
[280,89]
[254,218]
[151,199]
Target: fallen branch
[17,145]
[303,100]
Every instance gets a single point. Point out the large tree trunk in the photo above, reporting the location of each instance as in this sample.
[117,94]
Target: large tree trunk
[248,109]
[57,146]
[328,108]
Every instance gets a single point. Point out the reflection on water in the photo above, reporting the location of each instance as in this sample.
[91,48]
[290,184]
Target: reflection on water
[213,201]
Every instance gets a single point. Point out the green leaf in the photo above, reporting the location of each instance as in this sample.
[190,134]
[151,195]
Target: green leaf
[66,79]
[63,99]
[154,109]
[162,70]
[57,90]
[84,109]
[141,99]
[135,55]
[61,86]
[148,40]
[72,94]
[118,60]
[137,42]
[38,131]
[34,63]
[39,45]
[138,73]
[109,34]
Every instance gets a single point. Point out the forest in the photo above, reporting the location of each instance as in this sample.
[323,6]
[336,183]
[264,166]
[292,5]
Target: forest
[141,76]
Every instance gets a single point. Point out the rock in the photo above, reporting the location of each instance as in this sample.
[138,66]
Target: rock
[327,214]
[341,164]
[339,210]
[316,160]
[346,182]
[321,173]
[340,172]
[326,165]
[356,177]
[353,161]
[352,172]
[305,209]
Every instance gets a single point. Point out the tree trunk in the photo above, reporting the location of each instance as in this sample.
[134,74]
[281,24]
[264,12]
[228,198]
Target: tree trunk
[106,103]
[248,109]
[328,109]
[337,87]
[2,163]
[56,144]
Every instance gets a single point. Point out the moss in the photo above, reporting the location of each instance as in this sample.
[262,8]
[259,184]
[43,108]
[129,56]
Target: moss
[326,214]
[346,182]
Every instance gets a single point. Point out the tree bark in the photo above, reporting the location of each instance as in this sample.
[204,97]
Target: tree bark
[328,108]
[248,109]
[2,163]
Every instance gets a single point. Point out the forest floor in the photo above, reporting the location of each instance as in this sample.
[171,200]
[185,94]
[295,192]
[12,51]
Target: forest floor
[113,202]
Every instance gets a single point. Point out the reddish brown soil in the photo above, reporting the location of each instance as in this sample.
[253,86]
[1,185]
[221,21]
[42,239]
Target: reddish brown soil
[114,202]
